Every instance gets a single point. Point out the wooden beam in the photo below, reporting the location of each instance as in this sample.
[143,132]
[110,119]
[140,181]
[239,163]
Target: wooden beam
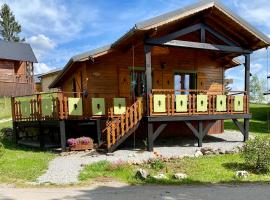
[148,73]
[219,36]
[177,34]
[150,142]
[200,138]
[202,46]
[63,134]
[207,128]
[197,117]
[192,128]
[246,127]
[247,76]
[98,126]
[158,131]
[239,126]
[202,34]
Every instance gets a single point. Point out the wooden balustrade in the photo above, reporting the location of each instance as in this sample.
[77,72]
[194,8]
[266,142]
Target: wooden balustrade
[119,126]
[192,102]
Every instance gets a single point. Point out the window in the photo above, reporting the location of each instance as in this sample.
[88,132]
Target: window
[184,81]
[138,85]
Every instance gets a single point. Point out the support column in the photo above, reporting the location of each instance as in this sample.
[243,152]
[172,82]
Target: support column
[200,135]
[148,73]
[247,89]
[150,142]
[41,136]
[62,126]
[98,131]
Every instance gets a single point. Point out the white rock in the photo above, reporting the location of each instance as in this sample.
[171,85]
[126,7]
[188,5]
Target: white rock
[198,154]
[132,155]
[180,176]
[241,174]
[141,173]
[160,176]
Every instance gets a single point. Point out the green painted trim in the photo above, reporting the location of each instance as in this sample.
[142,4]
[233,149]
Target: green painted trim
[137,68]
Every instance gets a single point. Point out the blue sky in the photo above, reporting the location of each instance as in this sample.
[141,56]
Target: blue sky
[59,29]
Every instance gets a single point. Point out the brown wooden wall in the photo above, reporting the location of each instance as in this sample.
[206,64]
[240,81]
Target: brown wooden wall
[109,75]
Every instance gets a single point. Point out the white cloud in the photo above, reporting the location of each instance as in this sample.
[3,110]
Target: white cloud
[40,68]
[41,41]
[256,67]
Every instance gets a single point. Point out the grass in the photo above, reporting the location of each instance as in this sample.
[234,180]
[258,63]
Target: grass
[5,107]
[203,170]
[258,124]
[19,165]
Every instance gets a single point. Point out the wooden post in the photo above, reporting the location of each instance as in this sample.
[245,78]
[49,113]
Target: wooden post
[14,113]
[98,124]
[150,143]
[200,138]
[41,136]
[62,125]
[148,73]
[247,89]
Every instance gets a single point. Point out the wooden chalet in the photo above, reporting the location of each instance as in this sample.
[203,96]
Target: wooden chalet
[16,69]
[166,74]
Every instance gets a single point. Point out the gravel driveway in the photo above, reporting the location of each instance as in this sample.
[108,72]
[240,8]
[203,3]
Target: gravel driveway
[65,169]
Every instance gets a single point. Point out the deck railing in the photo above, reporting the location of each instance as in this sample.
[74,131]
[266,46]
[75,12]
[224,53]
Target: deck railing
[119,126]
[197,102]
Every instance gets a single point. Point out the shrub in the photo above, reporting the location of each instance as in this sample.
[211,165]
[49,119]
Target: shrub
[256,154]
[2,150]
[157,164]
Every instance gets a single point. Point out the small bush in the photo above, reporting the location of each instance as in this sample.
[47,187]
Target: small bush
[157,164]
[256,154]
[2,150]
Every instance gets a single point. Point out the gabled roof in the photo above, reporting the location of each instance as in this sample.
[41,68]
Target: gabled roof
[54,71]
[168,18]
[17,51]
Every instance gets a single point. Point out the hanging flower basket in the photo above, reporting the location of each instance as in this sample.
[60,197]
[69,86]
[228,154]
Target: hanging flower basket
[80,144]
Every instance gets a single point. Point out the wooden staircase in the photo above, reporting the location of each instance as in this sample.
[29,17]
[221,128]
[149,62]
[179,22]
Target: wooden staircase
[119,128]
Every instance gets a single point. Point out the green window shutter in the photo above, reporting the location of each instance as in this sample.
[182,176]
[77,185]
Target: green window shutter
[98,106]
[159,103]
[25,108]
[119,106]
[202,103]
[221,103]
[181,103]
[75,106]
[238,103]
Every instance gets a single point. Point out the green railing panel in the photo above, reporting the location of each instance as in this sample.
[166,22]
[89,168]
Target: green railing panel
[47,104]
[159,103]
[181,103]
[221,103]
[119,106]
[202,103]
[238,103]
[98,106]
[25,108]
[75,106]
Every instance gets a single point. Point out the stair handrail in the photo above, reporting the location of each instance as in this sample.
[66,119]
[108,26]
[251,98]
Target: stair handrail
[128,120]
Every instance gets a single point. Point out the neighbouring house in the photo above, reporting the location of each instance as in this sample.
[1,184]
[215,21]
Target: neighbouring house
[16,69]
[163,77]
[45,79]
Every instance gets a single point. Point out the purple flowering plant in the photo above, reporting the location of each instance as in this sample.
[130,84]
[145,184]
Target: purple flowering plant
[81,140]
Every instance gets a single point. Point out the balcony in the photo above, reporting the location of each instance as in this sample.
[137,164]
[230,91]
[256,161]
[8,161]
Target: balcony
[165,102]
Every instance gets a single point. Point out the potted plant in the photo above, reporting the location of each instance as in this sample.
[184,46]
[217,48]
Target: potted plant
[81,143]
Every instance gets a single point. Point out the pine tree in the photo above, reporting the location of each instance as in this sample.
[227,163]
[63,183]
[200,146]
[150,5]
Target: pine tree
[9,27]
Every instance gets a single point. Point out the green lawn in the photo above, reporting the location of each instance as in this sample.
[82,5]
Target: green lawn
[19,165]
[207,169]
[258,123]
[5,107]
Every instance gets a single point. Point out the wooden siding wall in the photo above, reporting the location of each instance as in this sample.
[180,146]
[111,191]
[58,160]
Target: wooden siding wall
[109,75]
[46,81]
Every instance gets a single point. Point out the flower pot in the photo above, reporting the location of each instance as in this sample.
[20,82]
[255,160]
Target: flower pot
[81,147]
